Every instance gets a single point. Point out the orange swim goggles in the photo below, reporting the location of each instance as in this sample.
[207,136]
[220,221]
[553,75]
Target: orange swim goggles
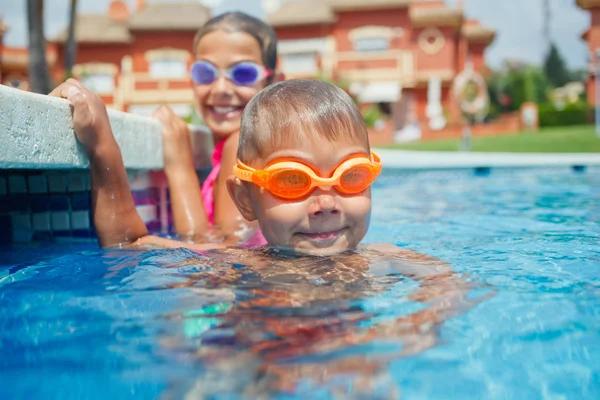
[291,179]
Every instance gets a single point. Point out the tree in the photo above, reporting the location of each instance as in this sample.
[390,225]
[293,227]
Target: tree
[71,47]
[39,79]
[555,68]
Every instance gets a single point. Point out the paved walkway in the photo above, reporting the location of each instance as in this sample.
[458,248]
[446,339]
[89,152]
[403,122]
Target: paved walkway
[450,159]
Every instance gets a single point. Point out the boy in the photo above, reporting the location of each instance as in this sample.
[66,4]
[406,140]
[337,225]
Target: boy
[304,172]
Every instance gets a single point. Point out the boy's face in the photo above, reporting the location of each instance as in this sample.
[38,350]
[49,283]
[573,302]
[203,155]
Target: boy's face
[325,221]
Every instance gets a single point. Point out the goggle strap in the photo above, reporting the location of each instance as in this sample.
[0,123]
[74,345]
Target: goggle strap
[243,175]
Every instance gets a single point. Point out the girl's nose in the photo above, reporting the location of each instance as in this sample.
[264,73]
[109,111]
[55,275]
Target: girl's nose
[222,85]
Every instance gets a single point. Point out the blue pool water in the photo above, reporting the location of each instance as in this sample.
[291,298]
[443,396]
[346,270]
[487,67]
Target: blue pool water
[76,322]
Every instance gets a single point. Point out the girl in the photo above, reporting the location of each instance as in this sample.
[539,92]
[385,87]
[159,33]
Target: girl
[236,57]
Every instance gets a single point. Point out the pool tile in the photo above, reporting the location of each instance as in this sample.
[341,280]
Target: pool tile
[20,221]
[3,186]
[80,201]
[140,197]
[41,221]
[38,184]
[80,220]
[60,221]
[59,202]
[17,184]
[6,231]
[22,235]
[39,203]
[16,202]
[57,183]
[77,182]
[147,213]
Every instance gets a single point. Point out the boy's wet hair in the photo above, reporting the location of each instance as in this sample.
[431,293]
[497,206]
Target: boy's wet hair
[239,22]
[297,110]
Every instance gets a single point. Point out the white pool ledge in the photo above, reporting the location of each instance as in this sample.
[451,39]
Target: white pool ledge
[36,131]
[448,159]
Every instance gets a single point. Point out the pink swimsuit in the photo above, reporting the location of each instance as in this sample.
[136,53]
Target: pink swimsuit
[257,238]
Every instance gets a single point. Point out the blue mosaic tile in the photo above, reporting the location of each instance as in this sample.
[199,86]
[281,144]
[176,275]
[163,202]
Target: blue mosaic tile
[41,236]
[140,197]
[80,201]
[6,231]
[62,234]
[59,202]
[154,226]
[16,202]
[82,233]
[39,203]
[154,195]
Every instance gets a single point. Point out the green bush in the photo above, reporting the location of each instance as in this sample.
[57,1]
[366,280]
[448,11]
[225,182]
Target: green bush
[371,115]
[573,114]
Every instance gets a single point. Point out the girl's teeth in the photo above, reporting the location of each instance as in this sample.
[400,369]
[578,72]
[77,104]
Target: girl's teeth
[224,110]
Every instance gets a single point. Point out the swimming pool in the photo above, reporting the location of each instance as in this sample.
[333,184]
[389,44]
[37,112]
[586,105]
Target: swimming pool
[79,323]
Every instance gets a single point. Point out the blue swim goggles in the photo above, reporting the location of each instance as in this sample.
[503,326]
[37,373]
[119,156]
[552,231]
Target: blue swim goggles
[241,74]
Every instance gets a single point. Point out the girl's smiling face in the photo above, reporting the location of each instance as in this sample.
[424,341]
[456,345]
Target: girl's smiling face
[221,103]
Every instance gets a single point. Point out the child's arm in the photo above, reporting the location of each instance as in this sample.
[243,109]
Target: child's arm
[116,220]
[227,217]
[114,214]
[189,216]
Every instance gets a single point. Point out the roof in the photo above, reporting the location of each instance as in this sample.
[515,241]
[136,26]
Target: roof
[440,16]
[97,28]
[588,4]
[301,13]
[307,12]
[170,16]
[347,5]
[476,33]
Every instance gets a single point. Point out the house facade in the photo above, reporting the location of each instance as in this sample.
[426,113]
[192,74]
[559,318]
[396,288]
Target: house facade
[592,37]
[136,60]
[401,54]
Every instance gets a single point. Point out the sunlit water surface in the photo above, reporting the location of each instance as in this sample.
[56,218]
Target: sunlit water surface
[76,322]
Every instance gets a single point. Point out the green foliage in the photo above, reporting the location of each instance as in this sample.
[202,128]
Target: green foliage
[555,67]
[572,114]
[511,87]
[371,115]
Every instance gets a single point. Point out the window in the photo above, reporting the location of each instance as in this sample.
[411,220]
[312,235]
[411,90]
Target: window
[99,83]
[372,44]
[299,63]
[168,68]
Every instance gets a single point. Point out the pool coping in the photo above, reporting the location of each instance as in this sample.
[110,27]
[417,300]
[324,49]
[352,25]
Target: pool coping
[36,132]
[407,159]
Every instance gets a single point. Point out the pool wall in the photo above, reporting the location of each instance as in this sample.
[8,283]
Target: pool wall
[44,177]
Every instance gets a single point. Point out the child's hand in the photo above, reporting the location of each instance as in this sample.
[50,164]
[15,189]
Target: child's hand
[90,119]
[177,147]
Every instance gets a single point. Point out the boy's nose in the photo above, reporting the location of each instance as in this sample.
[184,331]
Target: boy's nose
[324,203]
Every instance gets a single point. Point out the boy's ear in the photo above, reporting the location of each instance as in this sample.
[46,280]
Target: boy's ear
[240,194]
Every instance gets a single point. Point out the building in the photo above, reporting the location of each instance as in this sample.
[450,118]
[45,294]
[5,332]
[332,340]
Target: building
[14,62]
[135,59]
[592,37]
[402,54]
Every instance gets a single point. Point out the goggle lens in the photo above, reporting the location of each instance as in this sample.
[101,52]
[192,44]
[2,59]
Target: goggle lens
[245,74]
[290,183]
[203,73]
[355,180]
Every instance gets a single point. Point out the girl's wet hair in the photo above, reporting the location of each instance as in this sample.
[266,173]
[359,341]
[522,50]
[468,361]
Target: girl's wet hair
[297,110]
[240,22]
